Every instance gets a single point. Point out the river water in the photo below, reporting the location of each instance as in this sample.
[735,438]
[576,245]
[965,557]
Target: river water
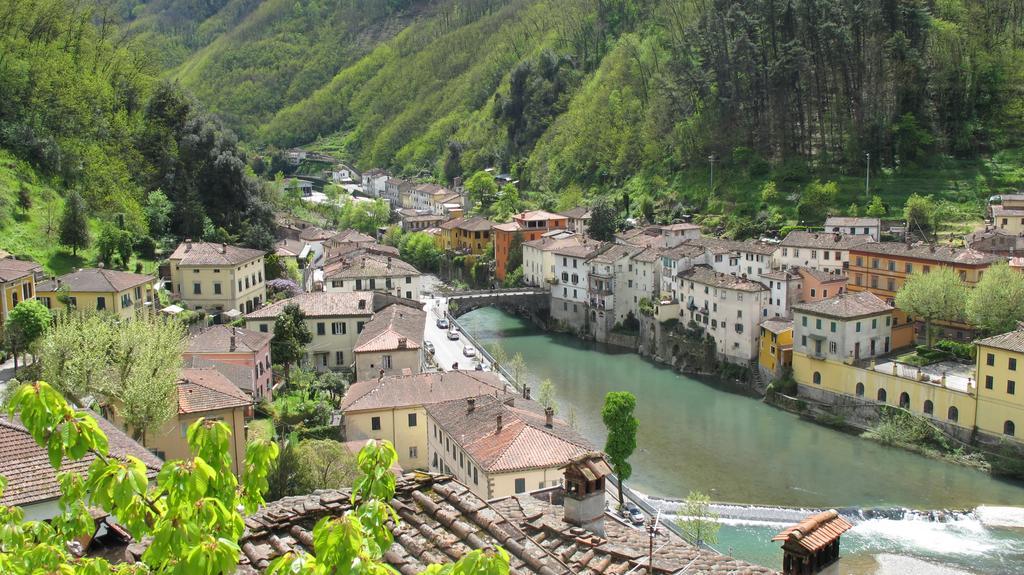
[706,435]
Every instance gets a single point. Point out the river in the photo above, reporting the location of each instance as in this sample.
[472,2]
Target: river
[703,434]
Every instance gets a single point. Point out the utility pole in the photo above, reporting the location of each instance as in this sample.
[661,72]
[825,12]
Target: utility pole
[867,178]
[711,185]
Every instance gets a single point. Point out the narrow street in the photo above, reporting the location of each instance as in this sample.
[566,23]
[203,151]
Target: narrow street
[446,352]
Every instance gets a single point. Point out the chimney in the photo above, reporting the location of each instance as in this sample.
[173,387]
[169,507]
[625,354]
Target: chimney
[188,244]
[498,427]
[232,339]
[364,262]
[389,262]
[470,404]
[526,392]
[402,343]
[362,304]
[223,248]
[549,417]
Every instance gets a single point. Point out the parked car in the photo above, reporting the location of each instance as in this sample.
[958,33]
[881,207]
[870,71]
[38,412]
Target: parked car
[429,346]
[453,335]
[469,351]
[633,514]
[442,323]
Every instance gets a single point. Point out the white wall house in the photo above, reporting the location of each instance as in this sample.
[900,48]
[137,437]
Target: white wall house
[871,227]
[569,295]
[851,326]
[827,252]
[729,308]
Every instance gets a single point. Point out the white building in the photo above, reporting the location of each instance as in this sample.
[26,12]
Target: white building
[851,326]
[366,270]
[570,290]
[675,261]
[750,258]
[607,272]
[871,227]
[827,252]
[539,259]
[642,280]
[374,182]
[728,307]
[785,288]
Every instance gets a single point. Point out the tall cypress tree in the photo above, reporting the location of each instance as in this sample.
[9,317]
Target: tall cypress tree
[74,224]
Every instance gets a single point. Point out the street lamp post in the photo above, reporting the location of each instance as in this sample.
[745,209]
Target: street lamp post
[867,178]
[711,185]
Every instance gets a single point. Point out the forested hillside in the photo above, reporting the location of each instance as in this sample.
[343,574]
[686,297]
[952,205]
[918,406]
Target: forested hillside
[81,111]
[595,92]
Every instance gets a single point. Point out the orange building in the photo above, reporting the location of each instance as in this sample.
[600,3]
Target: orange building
[530,226]
[883,267]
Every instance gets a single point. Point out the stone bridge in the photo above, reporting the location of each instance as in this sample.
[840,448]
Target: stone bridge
[532,300]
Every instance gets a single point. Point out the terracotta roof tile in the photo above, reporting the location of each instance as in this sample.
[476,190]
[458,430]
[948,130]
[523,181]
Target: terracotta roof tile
[322,304]
[777,324]
[846,305]
[217,339]
[210,254]
[523,442]
[441,520]
[816,531]
[206,389]
[823,240]
[366,265]
[579,212]
[26,465]
[97,280]
[704,275]
[724,246]
[943,254]
[391,325]
[1010,341]
[420,389]
[12,269]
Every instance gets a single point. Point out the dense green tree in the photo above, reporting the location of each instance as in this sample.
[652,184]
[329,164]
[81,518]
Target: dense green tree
[515,252]
[366,217]
[621,424]
[132,366]
[921,215]
[937,295]
[420,250]
[996,304]
[603,221]
[508,204]
[24,198]
[816,201]
[291,336]
[482,190]
[26,323]
[546,395]
[158,213]
[876,209]
[74,224]
[114,241]
[324,464]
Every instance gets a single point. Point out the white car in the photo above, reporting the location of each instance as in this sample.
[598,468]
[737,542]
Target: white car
[469,351]
[453,335]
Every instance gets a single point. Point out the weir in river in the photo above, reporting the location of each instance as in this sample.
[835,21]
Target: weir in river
[709,436]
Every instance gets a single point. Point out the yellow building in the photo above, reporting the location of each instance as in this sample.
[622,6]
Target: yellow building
[392,407]
[501,446]
[122,293]
[201,392]
[776,348]
[468,236]
[17,284]
[1000,367]
[334,319]
[218,277]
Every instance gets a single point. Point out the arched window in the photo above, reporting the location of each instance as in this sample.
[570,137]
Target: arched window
[1009,428]
[954,413]
[881,395]
[905,400]
[929,407]
[860,389]
[817,378]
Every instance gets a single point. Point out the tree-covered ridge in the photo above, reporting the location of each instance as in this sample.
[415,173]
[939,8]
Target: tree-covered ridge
[594,92]
[81,106]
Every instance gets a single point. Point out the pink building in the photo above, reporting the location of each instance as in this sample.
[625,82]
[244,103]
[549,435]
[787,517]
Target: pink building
[240,354]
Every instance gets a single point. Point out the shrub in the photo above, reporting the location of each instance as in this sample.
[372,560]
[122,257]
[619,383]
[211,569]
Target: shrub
[957,349]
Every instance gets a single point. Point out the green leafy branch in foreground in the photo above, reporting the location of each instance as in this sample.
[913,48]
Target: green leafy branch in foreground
[192,514]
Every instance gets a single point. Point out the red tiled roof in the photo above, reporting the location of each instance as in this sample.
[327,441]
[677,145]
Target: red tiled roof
[97,280]
[816,531]
[391,325]
[206,389]
[321,304]
[217,339]
[846,306]
[11,269]
[210,254]
[420,389]
[26,465]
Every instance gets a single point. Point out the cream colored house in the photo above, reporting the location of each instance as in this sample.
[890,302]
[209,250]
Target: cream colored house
[539,258]
[218,277]
[500,446]
[333,318]
[727,307]
[366,270]
[122,293]
[391,343]
[641,281]
[202,392]
[850,326]
[827,252]
[393,407]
